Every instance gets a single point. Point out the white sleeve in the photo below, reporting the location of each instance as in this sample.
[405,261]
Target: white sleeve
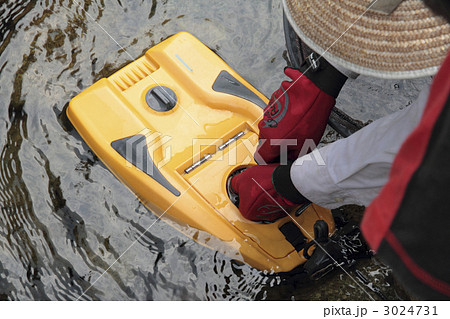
[353,170]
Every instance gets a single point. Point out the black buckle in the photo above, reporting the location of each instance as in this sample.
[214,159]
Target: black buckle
[340,250]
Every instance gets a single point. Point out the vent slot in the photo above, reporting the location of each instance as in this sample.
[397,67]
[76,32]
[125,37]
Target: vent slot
[133,73]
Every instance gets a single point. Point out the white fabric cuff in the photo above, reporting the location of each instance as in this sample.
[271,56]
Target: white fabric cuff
[353,170]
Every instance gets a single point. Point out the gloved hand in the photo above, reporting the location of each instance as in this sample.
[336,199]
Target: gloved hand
[262,189]
[298,111]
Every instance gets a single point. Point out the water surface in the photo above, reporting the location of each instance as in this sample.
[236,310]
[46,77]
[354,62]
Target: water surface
[65,219]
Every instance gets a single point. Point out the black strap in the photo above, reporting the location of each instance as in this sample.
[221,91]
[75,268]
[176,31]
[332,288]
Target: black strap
[294,235]
[323,75]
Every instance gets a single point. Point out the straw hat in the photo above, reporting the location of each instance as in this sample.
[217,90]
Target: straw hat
[390,39]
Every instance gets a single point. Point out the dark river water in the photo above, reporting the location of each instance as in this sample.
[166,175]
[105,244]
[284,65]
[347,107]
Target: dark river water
[65,219]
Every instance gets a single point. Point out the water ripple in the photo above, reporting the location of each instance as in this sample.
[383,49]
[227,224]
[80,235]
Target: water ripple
[65,220]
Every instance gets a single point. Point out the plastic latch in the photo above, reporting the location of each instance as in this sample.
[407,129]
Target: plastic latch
[321,231]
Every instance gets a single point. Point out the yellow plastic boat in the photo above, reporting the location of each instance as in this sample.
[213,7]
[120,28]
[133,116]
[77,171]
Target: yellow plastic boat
[172,126]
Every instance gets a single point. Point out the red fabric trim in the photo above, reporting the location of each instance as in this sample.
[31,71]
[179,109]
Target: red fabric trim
[415,269]
[381,212]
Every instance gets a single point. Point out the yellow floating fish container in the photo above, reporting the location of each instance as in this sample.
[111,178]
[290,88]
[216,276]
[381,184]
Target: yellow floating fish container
[172,126]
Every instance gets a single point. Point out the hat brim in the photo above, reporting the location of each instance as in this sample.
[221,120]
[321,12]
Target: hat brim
[411,42]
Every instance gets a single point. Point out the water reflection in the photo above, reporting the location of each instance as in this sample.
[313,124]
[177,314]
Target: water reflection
[64,217]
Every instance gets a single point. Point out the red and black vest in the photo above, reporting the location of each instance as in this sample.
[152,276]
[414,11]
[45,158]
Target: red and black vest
[408,224]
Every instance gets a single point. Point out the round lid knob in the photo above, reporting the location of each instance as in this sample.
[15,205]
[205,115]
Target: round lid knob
[161,98]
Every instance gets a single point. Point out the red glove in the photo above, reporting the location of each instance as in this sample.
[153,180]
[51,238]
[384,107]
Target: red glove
[260,198]
[298,111]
